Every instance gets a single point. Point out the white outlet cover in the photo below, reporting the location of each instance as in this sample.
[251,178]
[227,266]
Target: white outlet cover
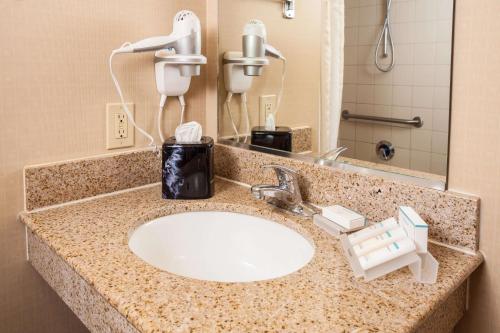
[112,141]
[264,109]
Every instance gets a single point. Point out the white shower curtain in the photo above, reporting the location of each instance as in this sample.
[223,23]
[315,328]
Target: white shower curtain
[332,72]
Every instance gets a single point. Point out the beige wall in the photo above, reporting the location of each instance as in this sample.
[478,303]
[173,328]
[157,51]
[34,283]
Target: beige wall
[54,85]
[475,145]
[298,40]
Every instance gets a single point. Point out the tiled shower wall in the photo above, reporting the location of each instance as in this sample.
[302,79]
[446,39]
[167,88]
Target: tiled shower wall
[418,85]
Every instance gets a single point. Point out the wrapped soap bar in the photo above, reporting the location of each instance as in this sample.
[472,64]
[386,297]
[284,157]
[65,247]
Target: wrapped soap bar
[345,217]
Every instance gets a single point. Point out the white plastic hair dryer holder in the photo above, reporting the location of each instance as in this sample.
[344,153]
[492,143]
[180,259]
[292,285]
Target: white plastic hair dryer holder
[181,59]
[242,61]
[189,63]
[235,80]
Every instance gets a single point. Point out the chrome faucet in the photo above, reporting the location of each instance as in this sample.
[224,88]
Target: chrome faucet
[331,155]
[286,194]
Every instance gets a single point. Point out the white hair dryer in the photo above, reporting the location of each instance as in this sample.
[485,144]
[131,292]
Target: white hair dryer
[185,39]
[178,57]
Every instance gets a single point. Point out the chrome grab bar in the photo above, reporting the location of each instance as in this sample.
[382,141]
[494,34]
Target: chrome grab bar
[417,121]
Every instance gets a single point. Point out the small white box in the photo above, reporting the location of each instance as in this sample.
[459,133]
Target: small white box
[415,227]
[344,217]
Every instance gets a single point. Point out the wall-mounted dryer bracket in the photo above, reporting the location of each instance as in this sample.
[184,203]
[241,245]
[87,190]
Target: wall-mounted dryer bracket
[173,72]
[251,64]
[235,80]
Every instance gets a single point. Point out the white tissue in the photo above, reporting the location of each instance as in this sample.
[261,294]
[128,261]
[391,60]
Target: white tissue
[188,132]
[270,122]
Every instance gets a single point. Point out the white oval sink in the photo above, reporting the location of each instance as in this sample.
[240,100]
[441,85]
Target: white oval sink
[221,246]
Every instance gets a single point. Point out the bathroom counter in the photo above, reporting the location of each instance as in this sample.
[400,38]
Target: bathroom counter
[81,250]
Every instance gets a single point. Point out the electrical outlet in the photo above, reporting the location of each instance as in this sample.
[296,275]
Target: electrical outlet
[121,125]
[267,105]
[118,132]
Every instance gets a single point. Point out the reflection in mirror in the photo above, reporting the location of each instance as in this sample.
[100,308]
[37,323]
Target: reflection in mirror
[360,82]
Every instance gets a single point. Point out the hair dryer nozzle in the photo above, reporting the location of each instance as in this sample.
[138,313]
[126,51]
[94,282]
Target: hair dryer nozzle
[255,46]
[273,52]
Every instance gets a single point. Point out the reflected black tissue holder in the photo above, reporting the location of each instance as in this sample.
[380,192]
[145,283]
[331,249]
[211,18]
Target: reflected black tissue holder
[188,169]
[280,139]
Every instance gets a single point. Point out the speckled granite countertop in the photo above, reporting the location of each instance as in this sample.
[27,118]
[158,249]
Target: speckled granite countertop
[321,297]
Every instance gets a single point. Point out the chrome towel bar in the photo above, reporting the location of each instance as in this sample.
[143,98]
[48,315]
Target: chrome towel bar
[417,121]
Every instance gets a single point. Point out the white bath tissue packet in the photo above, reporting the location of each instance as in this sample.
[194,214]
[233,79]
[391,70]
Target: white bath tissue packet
[188,132]
[270,122]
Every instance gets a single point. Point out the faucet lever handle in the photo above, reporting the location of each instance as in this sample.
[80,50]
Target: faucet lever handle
[287,178]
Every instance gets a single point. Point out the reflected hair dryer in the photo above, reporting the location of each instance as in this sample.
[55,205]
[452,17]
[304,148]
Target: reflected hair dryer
[255,46]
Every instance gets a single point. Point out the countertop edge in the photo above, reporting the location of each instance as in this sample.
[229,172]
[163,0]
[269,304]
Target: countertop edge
[84,293]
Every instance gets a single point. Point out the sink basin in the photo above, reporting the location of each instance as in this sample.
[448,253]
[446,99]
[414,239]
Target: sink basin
[221,246]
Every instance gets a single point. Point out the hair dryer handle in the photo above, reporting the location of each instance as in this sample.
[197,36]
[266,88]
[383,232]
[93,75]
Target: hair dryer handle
[151,44]
[273,52]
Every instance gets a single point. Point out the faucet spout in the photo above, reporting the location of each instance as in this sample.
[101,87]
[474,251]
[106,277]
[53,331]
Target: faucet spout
[258,191]
[331,155]
[265,192]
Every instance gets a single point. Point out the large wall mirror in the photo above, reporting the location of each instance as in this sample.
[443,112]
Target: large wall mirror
[362,83]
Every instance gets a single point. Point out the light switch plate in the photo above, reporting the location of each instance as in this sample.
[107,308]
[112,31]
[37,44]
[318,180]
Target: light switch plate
[266,106]
[119,132]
